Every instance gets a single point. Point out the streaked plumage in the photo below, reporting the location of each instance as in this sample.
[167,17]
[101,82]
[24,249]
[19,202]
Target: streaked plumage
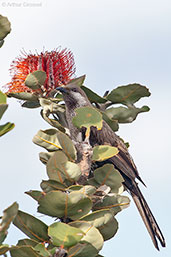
[75,97]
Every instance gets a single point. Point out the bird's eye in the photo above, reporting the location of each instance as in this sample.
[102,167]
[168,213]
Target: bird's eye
[74,89]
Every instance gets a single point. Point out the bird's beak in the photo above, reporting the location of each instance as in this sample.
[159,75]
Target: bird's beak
[61,89]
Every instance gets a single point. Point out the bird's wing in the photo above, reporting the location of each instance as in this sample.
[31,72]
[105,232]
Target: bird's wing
[123,160]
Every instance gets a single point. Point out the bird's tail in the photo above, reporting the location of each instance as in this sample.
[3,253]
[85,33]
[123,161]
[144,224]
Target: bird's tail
[148,218]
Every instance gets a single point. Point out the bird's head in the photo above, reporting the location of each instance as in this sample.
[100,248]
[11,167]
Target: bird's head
[74,96]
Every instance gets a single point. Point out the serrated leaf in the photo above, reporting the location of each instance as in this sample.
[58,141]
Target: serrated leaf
[64,205]
[103,152]
[6,128]
[104,221]
[64,235]
[62,170]
[35,79]
[125,115]
[5,27]
[92,235]
[128,94]
[50,185]
[8,216]
[116,203]
[92,96]
[87,117]
[31,226]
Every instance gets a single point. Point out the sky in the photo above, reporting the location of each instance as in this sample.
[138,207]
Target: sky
[115,42]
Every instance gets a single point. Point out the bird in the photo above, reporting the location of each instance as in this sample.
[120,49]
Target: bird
[74,97]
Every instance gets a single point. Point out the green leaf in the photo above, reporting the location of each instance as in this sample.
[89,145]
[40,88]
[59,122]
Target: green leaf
[83,249]
[8,216]
[58,97]
[87,117]
[31,104]
[28,242]
[87,189]
[53,140]
[24,96]
[50,185]
[104,152]
[3,98]
[129,94]
[35,79]
[125,115]
[92,96]
[47,139]
[5,27]
[35,194]
[45,156]
[3,108]
[93,182]
[31,226]
[74,188]
[1,43]
[62,170]
[23,251]
[64,235]
[51,107]
[111,122]
[53,250]
[50,104]
[67,146]
[4,249]
[53,122]
[77,81]
[104,221]
[92,235]
[116,203]
[108,175]
[63,205]
[41,249]
[6,128]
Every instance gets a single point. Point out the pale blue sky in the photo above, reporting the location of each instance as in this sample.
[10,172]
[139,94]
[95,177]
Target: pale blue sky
[115,42]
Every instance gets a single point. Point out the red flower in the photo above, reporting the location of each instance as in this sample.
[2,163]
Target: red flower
[58,64]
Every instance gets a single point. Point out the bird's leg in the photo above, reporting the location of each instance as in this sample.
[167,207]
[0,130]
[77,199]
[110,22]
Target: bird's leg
[84,156]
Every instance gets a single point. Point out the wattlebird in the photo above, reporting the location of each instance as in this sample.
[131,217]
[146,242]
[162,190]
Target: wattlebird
[74,97]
